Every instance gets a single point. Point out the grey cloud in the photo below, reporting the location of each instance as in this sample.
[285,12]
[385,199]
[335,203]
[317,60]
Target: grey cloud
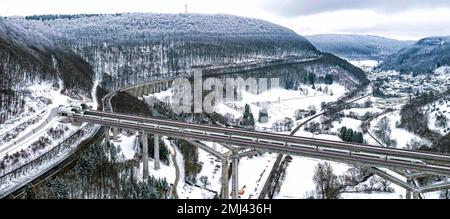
[292,8]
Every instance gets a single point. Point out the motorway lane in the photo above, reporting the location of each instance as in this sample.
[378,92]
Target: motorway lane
[32,134]
[341,157]
[434,157]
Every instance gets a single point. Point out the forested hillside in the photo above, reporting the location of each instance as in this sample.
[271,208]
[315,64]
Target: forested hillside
[424,57]
[124,49]
[129,48]
[27,57]
[358,46]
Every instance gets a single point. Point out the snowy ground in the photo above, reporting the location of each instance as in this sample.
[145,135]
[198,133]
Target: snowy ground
[186,191]
[362,111]
[36,131]
[211,168]
[350,123]
[402,136]
[298,182]
[41,105]
[438,108]
[253,173]
[282,103]
[8,184]
[128,150]
[21,133]
[364,64]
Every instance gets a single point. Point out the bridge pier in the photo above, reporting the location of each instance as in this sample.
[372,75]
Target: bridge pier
[145,154]
[234,175]
[107,137]
[225,192]
[115,133]
[408,192]
[156,151]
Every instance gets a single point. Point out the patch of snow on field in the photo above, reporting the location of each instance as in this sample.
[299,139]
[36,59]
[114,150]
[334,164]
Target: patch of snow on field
[362,111]
[347,122]
[365,64]
[167,172]
[211,166]
[186,191]
[439,108]
[282,103]
[298,182]
[402,136]
[253,173]
[127,145]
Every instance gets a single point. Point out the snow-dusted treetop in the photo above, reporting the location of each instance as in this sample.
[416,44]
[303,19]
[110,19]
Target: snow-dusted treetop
[9,31]
[23,39]
[357,46]
[123,26]
[179,23]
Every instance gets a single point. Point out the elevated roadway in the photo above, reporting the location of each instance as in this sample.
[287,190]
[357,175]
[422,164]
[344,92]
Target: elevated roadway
[352,153]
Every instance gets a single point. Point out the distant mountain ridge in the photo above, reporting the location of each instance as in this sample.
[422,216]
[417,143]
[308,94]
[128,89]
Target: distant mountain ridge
[423,57]
[357,46]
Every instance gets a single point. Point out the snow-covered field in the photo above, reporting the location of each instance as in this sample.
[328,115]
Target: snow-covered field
[253,173]
[400,135]
[282,103]
[362,111]
[128,150]
[211,167]
[347,122]
[366,65]
[298,182]
[439,116]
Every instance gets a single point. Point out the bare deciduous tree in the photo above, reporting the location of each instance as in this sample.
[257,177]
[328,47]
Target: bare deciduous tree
[327,183]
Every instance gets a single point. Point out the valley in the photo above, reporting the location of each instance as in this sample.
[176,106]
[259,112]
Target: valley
[373,93]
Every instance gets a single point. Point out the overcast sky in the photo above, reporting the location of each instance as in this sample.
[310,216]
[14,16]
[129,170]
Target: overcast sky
[401,19]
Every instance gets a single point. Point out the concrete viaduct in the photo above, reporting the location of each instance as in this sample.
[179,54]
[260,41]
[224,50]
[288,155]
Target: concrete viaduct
[245,143]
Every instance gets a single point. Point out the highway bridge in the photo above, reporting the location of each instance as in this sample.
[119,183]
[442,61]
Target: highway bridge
[352,153]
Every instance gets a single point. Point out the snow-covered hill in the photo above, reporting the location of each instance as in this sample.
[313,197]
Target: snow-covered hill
[124,49]
[128,48]
[357,46]
[424,57]
[27,41]
[28,57]
[146,25]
